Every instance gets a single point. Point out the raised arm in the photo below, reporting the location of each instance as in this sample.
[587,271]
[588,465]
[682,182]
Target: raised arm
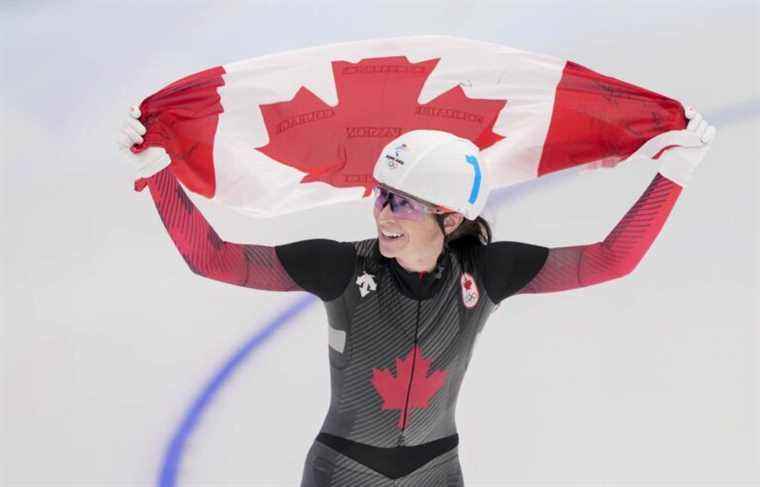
[322,267]
[516,268]
[624,247]
[615,256]
[206,254]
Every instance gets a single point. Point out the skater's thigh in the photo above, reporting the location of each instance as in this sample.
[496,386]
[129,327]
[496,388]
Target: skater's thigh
[442,471]
[325,467]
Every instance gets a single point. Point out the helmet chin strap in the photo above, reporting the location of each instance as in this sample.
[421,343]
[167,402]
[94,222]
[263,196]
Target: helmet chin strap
[439,219]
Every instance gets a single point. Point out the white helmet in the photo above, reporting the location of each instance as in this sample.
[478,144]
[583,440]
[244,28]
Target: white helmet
[437,167]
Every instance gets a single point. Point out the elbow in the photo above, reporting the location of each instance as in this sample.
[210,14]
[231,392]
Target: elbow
[194,268]
[609,272]
[624,268]
[215,271]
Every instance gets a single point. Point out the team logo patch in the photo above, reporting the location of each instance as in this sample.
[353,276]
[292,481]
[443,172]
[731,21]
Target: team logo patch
[470,294]
[394,160]
[366,283]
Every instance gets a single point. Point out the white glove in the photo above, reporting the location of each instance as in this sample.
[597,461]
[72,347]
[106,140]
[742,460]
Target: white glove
[151,160]
[679,163]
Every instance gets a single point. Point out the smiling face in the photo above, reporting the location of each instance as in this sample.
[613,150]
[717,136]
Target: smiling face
[415,243]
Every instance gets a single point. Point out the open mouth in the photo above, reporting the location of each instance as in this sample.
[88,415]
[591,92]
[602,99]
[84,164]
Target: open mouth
[388,235]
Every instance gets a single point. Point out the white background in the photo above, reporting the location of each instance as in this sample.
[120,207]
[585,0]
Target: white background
[107,336]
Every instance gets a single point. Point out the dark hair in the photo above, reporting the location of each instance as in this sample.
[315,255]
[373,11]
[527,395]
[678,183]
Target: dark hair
[469,232]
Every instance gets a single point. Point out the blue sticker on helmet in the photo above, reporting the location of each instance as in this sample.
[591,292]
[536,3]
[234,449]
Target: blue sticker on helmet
[476,182]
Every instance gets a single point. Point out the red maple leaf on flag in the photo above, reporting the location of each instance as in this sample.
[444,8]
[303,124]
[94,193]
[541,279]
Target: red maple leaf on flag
[394,390]
[377,102]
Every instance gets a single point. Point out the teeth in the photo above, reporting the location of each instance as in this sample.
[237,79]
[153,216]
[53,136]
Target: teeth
[389,234]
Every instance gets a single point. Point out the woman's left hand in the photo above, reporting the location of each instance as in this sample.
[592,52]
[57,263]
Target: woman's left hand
[679,163]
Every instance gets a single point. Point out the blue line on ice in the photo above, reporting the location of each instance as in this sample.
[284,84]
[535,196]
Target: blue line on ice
[176,447]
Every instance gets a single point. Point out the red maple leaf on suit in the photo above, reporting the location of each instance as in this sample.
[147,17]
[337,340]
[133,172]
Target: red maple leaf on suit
[394,390]
[377,102]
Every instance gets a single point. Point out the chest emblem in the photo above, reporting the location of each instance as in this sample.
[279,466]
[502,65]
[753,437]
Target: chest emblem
[366,283]
[412,387]
[470,293]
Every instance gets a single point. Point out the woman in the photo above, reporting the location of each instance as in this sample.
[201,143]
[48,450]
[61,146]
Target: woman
[404,308]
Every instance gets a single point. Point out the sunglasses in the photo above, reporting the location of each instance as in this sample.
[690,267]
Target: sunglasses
[403,206]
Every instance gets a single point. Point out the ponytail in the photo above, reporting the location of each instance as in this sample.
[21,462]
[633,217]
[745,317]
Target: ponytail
[469,232]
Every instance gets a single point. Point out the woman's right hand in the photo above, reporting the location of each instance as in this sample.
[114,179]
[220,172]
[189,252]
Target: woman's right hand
[147,162]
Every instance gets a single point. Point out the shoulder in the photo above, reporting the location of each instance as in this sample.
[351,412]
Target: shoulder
[500,254]
[320,266]
[508,252]
[508,266]
[318,249]
[366,248]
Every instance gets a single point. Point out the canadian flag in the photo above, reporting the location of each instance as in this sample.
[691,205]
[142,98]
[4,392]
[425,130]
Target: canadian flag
[303,128]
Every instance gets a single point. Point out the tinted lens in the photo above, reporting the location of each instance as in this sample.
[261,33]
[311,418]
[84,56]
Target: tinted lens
[381,197]
[400,206]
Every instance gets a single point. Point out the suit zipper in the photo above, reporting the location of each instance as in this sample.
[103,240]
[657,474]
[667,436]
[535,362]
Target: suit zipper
[405,412]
